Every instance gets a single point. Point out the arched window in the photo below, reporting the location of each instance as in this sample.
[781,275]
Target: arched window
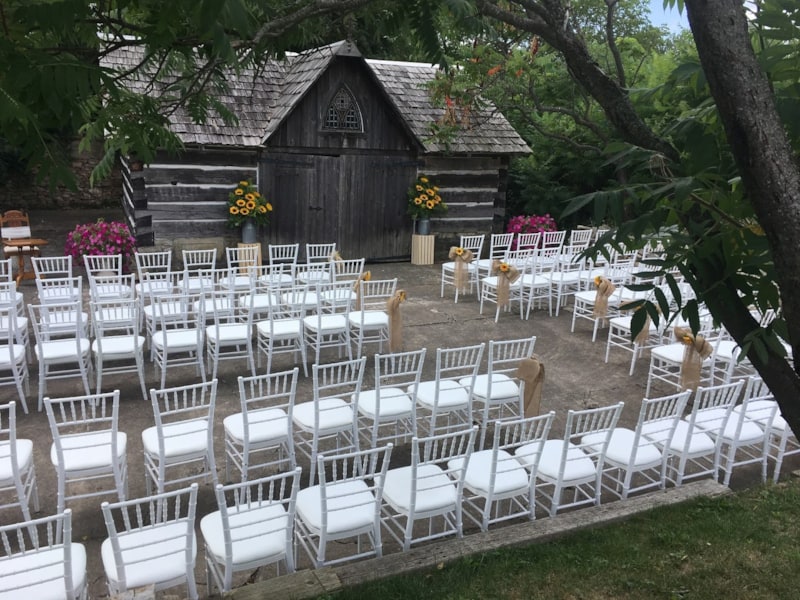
[343,113]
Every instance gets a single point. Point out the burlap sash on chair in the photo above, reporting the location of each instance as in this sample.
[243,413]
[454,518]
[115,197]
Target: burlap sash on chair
[696,350]
[604,291]
[365,276]
[335,256]
[461,257]
[641,337]
[506,275]
[531,372]
[395,320]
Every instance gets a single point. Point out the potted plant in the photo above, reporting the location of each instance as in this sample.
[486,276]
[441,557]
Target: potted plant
[248,209]
[102,238]
[424,200]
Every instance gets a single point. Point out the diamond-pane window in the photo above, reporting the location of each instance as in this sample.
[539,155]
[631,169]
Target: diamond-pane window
[343,113]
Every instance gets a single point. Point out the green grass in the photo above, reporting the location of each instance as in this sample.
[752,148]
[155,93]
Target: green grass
[742,546]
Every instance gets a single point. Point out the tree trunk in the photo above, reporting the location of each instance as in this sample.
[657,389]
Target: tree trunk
[765,160]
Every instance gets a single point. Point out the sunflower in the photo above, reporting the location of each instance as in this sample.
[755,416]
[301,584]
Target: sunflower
[598,280]
[238,192]
[269,207]
[262,209]
[418,187]
[250,197]
[240,202]
[251,204]
[234,210]
[430,192]
[244,184]
[244,212]
[430,204]
[424,179]
[417,200]
[504,267]
[459,251]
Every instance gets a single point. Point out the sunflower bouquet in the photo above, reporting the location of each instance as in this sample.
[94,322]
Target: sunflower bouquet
[424,199]
[246,203]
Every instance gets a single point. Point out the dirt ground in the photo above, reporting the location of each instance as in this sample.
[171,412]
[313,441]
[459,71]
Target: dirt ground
[577,377]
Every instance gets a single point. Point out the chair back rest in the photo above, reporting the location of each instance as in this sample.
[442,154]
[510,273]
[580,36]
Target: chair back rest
[51,538]
[115,316]
[474,243]
[375,293]
[242,260]
[349,270]
[58,321]
[447,453]
[401,370]
[171,514]
[712,407]
[103,264]
[320,252]
[588,423]
[192,403]
[511,434]
[52,266]
[199,259]
[499,244]
[756,388]
[59,289]
[278,275]
[335,297]
[177,311]
[336,470]
[505,355]
[268,398]
[15,225]
[528,240]
[85,424]
[553,239]
[6,270]
[339,380]
[153,262]
[272,498]
[455,364]
[103,286]
[283,253]
[658,420]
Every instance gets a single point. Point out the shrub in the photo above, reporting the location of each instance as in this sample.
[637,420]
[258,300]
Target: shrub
[93,239]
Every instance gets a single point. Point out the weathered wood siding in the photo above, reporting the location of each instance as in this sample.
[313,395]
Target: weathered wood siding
[184,196]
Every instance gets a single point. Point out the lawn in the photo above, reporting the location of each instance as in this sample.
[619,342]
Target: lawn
[738,546]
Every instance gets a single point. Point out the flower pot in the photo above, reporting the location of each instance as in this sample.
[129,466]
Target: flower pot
[249,232]
[424,227]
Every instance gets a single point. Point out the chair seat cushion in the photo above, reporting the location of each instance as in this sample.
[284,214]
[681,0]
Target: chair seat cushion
[152,555]
[368,319]
[89,450]
[436,492]
[229,333]
[325,323]
[394,403]
[711,420]
[620,448]
[699,442]
[351,507]
[184,438]
[264,425]
[452,395]
[577,468]
[511,478]
[334,415]
[15,350]
[281,328]
[257,533]
[38,575]
[119,346]
[503,387]
[24,456]
[62,350]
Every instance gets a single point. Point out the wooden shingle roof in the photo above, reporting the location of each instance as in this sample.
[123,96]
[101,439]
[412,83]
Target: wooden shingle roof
[263,99]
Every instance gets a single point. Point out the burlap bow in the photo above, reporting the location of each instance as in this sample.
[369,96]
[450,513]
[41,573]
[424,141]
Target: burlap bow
[506,275]
[461,257]
[604,291]
[531,373]
[395,320]
[365,276]
[335,256]
[695,351]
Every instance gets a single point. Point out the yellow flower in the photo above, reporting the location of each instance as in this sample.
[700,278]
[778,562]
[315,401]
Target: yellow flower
[598,280]
[240,202]
[438,198]
[257,194]
[418,187]
[459,251]
[250,197]
[423,179]
[430,192]
[504,267]
[367,276]
[233,210]
[244,183]
[436,188]
[423,197]
[238,192]
[417,200]
[269,207]
[262,209]
[244,212]
[402,294]
[430,204]
[250,204]
[687,339]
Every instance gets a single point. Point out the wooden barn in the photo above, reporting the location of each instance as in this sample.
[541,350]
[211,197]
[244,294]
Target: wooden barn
[333,140]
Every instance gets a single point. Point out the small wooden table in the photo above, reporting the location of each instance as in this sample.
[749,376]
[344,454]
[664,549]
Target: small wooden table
[22,244]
